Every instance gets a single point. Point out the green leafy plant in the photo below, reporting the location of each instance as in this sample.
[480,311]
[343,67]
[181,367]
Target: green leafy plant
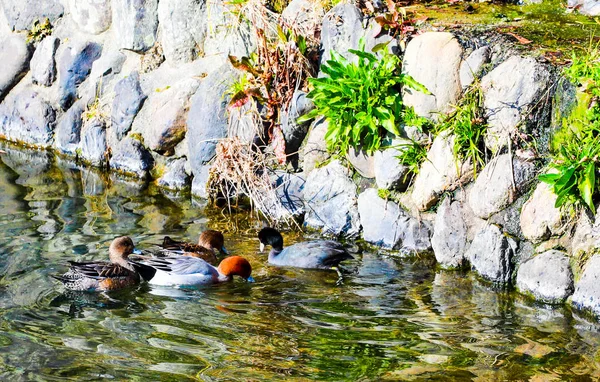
[575,160]
[468,124]
[361,101]
[39,30]
[412,155]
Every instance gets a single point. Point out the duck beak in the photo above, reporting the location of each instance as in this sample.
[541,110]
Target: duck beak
[137,251]
[250,279]
[224,250]
[262,247]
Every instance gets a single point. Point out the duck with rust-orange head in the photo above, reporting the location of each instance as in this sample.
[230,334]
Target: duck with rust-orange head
[208,242]
[119,273]
[190,271]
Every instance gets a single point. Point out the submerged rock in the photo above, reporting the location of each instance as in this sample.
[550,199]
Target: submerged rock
[74,66]
[493,189]
[387,225]
[547,277]
[510,90]
[183,28]
[21,14]
[330,199]
[14,55]
[68,131]
[540,219]
[43,63]
[91,16]
[135,23]
[28,118]
[587,289]
[491,254]
[439,173]
[128,101]
[131,157]
[433,59]
[449,239]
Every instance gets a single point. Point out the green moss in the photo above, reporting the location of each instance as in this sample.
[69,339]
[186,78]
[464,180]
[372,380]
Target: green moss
[39,30]
[383,193]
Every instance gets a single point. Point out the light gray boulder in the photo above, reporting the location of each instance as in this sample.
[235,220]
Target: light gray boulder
[21,14]
[74,66]
[540,219]
[449,241]
[183,25]
[389,173]
[162,119]
[385,224]
[14,55]
[500,184]
[471,66]
[68,130]
[27,117]
[287,200]
[175,176]
[128,101]
[135,23]
[228,34]
[587,288]
[315,149]
[304,16]
[131,158]
[43,63]
[547,276]
[94,148]
[585,7]
[294,132]
[491,254]
[510,90]
[439,173]
[330,199]
[342,29]
[433,59]
[586,238]
[91,16]
[362,162]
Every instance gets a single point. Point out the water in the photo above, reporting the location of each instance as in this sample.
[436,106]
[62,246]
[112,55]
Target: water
[393,319]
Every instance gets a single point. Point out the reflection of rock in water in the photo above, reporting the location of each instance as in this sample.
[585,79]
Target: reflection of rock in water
[451,292]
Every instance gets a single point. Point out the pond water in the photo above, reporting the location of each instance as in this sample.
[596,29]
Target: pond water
[393,319]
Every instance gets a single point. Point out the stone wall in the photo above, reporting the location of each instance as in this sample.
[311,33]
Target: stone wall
[138,86]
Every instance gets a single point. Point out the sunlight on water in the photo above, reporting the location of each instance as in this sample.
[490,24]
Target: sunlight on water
[393,319]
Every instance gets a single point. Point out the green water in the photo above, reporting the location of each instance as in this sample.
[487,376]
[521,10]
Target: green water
[393,319]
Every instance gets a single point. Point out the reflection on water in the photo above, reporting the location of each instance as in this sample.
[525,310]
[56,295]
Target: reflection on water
[393,319]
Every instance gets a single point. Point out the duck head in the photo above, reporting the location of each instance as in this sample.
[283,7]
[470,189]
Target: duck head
[120,249]
[272,237]
[236,266]
[213,240]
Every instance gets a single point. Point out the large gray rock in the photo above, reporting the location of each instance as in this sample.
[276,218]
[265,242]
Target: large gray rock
[471,66]
[14,55]
[586,238]
[500,184]
[587,289]
[128,101]
[510,90]
[547,277]
[43,64]
[287,200]
[21,14]
[175,176]
[135,23]
[162,119]
[330,199]
[387,225]
[227,33]
[390,174]
[303,16]
[294,132]
[585,7]
[439,173]
[433,59]
[362,162]
[183,28]
[74,66]
[131,158]
[315,149]
[68,131]
[28,118]
[91,16]
[491,254]
[207,123]
[93,142]
[540,219]
[341,30]
[449,241]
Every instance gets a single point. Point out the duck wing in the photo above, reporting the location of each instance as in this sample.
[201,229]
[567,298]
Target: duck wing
[180,265]
[98,270]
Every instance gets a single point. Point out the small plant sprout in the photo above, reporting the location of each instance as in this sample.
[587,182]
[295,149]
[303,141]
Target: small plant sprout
[39,30]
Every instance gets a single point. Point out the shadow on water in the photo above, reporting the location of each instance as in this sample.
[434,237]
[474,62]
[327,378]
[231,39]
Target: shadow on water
[393,319]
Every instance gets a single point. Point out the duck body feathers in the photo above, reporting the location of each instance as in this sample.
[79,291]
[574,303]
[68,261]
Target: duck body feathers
[181,270]
[318,254]
[98,276]
[172,247]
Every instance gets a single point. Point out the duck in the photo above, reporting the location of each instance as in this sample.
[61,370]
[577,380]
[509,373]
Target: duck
[193,271]
[208,242]
[105,276]
[316,254]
